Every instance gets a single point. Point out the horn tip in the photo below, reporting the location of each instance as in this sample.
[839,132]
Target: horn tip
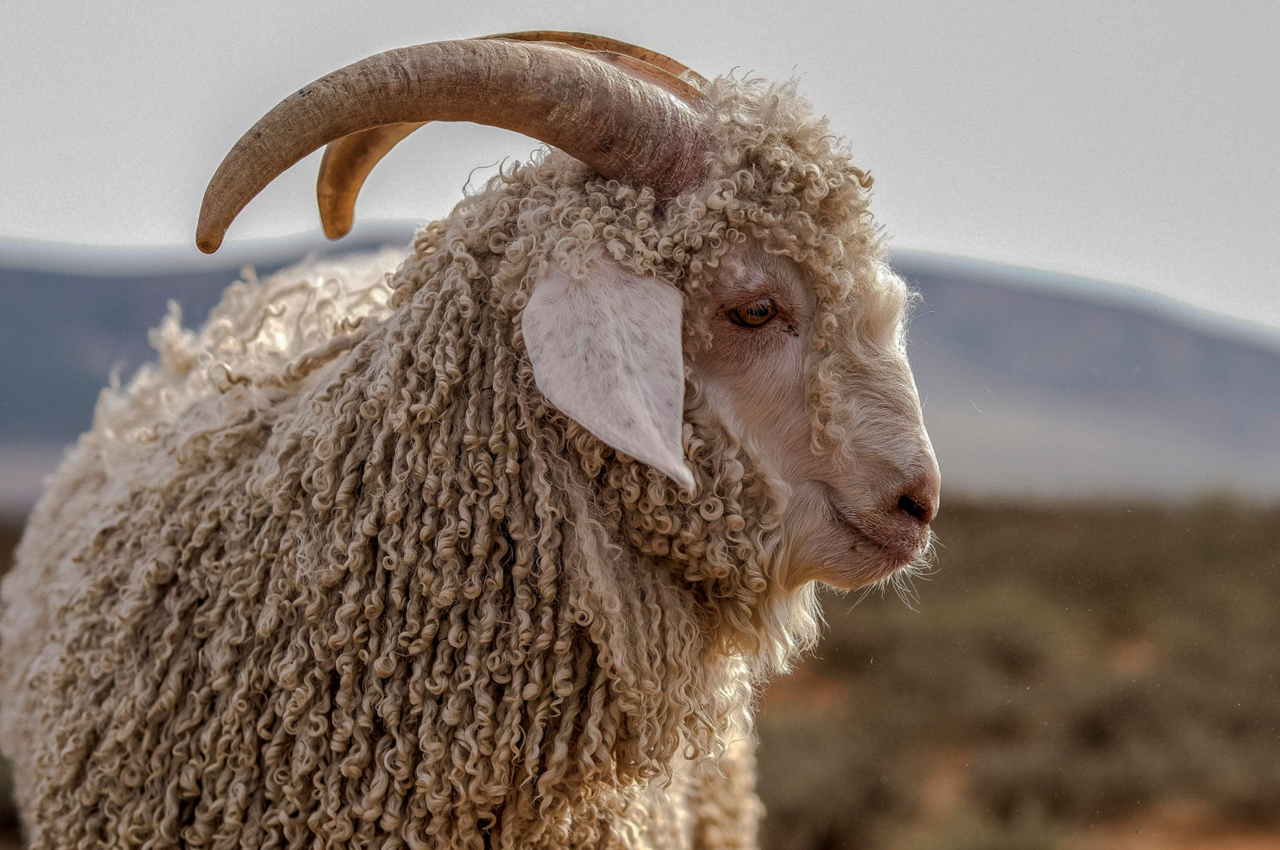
[208,234]
[334,230]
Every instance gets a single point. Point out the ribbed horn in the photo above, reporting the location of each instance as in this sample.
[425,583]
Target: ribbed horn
[623,127]
[588,41]
[349,161]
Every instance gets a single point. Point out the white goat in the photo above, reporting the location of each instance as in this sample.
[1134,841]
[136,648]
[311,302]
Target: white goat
[489,550]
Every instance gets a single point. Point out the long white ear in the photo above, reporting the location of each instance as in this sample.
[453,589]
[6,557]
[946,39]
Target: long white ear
[606,350]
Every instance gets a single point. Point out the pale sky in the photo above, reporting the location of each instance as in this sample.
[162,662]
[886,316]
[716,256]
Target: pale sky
[1137,143]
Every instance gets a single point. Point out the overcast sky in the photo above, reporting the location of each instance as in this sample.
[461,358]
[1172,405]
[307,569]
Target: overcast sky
[1131,142]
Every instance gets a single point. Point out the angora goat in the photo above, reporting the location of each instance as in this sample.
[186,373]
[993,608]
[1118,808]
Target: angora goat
[486,550]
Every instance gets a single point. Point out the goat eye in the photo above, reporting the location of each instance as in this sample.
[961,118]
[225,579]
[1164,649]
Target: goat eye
[755,313]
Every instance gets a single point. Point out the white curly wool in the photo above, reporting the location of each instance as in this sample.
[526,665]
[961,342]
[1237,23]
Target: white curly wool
[333,572]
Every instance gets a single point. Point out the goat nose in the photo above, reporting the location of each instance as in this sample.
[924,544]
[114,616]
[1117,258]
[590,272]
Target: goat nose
[920,501]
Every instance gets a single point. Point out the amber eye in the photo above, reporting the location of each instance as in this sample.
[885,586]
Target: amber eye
[755,313]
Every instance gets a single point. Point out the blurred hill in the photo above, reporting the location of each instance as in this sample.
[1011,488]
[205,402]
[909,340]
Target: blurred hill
[1034,384]
[1047,385]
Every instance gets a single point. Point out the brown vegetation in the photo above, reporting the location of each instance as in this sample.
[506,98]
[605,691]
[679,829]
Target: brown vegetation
[1069,671]
[1074,677]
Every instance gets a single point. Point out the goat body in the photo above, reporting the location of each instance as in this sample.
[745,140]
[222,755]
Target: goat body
[340,568]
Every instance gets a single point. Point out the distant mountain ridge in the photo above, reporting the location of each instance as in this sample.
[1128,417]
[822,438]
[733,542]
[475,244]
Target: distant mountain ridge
[1051,391]
[1034,384]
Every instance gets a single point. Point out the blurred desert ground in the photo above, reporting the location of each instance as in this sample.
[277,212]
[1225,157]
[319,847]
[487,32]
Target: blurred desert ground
[1092,664]
[1073,677]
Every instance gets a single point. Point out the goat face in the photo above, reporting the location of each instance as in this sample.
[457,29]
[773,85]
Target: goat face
[860,498]
[859,481]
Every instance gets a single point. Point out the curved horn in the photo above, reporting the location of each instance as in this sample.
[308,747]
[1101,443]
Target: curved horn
[348,161]
[621,126]
[343,169]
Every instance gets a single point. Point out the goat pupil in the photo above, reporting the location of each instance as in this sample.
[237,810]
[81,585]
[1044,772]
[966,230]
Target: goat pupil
[755,314]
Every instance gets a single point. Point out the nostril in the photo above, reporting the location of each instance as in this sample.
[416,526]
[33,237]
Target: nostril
[916,509]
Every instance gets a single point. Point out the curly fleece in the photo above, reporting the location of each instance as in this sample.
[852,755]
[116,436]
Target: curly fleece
[333,572]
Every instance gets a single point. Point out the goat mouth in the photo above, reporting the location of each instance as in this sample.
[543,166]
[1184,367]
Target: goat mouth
[895,550]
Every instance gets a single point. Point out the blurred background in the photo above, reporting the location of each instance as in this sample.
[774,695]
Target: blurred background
[1084,197]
